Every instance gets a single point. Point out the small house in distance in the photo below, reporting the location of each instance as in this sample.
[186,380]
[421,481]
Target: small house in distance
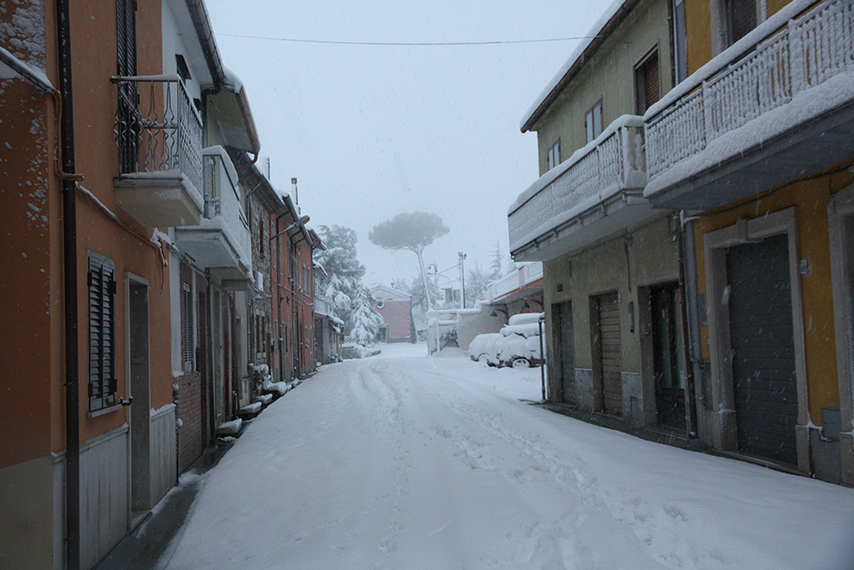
[395,307]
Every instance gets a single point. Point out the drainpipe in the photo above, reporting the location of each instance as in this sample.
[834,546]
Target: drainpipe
[72,373]
[690,320]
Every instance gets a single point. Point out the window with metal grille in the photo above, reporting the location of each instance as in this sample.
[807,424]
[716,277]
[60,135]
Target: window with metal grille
[127,93]
[102,360]
[647,87]
[187,348]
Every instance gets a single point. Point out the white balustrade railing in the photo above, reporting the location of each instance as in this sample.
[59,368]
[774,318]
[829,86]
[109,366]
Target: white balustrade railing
[223,210]
[519,278]
[612,162]
[783,60]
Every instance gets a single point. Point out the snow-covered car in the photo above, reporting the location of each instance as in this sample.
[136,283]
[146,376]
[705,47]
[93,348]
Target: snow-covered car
[483,345]
[517,345]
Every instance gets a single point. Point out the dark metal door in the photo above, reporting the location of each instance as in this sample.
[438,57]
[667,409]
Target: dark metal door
[668,359]
[762,337]
[565,345]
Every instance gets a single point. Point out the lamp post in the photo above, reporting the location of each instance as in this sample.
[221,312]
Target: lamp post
[462,280]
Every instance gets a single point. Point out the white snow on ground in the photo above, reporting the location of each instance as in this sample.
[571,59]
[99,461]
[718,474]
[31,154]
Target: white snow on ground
[429,462]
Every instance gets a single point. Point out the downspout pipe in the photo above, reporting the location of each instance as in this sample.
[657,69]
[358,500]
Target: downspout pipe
[688,269]
[72,372]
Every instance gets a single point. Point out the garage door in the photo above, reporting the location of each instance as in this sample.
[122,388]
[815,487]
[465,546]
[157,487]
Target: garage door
[762,336]
[610,354]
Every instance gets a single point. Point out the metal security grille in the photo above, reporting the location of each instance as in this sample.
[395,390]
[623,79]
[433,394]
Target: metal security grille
[102,292]
[128,98]
[187,326]
[762,337]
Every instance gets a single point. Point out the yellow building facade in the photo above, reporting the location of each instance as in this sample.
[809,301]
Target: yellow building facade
[754,148]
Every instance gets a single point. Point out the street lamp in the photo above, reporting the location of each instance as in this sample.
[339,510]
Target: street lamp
[525,304]
[462,280]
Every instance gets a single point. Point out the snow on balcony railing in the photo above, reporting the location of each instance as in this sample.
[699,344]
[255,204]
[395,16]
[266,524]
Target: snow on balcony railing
[522,276]
[322,306]
[612,162]
[764,70]
[157,127]
[222,202]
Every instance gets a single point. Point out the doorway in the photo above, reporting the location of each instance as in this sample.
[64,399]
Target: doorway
[607,353]
[668,358]
[564,342]
[138,374]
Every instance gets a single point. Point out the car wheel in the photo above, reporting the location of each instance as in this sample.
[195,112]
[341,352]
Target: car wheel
[520,363]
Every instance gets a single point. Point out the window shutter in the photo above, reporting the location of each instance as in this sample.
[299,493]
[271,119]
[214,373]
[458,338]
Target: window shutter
[647,83]
[102,293]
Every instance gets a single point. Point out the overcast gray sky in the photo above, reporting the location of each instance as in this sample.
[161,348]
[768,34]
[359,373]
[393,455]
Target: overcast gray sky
[372,131]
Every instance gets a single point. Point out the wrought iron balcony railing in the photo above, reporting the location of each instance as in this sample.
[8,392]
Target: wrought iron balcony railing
[158,129]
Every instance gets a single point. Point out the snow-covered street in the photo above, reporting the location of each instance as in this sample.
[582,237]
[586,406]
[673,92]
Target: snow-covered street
[418,462]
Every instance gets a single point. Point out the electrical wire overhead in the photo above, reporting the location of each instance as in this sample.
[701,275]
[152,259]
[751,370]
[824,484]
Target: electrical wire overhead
[405,44]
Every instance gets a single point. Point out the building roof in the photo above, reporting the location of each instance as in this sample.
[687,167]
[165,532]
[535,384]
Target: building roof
[390,293]
[593,40]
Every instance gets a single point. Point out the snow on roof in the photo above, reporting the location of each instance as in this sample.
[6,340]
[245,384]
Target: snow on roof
[574,56]
[33,75]
[232,82]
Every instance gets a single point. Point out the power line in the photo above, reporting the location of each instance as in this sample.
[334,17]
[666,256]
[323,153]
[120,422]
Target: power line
[406,44]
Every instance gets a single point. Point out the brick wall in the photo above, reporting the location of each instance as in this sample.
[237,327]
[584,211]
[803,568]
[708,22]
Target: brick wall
[189,400]
[397,316]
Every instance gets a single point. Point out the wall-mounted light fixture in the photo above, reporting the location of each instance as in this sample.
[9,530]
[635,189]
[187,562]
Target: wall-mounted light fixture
[525,304]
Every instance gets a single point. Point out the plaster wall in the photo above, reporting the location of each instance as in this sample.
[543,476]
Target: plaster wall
[609,76]
[622,263]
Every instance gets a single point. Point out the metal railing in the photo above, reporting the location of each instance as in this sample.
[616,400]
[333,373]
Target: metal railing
[158,129]
[803,53]
[615,160]
[222,209]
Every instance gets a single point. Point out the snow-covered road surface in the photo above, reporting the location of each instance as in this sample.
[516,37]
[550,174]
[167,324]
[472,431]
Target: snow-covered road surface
[423,463]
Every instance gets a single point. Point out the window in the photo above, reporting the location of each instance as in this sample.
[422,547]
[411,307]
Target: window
[680,41]
[733,19]
[593,121]
[554,154]
[740,19]
[102,359]
[261,237]
[187,340]
[647,88]
[183,70]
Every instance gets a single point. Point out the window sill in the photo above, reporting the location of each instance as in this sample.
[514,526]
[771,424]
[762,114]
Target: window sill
[103,411]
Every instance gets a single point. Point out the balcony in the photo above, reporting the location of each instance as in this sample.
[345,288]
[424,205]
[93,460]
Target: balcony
[774,107]
[594,193]
[526,280]
[159,139]
[221,242]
